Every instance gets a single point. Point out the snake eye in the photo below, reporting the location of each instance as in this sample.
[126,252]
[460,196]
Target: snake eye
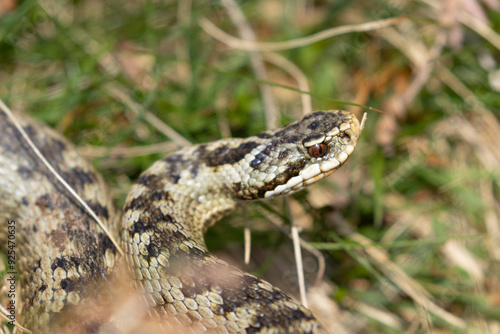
[318,150]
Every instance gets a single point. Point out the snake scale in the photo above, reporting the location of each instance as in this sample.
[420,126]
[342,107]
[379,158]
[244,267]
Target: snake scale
[67,265]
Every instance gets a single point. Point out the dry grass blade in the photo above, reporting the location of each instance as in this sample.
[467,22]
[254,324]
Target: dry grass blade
[236,43]
[300,266]
[484,133]
[276,222]
[4,313]
[121,96]
[248,244]
[423,59]
[404,282]
[467,19]
[289,67]
[246,32]
[480,28]
[382,316]
[298,254]
[247,235]
[56,174]
[297,74]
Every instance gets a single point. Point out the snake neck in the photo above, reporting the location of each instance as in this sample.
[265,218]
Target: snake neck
[175,194]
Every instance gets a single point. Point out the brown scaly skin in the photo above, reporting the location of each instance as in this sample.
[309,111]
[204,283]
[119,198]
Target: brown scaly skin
[165,215]
[62,256]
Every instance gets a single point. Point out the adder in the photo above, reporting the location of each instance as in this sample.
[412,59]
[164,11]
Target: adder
[68,265]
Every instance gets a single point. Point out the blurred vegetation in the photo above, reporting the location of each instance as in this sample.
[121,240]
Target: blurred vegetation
[409,227]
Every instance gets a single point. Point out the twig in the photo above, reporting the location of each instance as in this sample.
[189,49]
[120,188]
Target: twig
[236,43]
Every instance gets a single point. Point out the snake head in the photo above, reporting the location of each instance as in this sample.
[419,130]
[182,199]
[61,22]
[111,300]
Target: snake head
[301,153]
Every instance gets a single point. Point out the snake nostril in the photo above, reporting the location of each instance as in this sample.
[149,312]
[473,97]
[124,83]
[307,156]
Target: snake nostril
[345,138]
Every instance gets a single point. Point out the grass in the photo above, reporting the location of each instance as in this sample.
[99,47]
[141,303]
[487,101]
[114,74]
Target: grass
[409,228]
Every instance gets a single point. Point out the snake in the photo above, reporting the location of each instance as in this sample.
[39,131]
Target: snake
[68,267]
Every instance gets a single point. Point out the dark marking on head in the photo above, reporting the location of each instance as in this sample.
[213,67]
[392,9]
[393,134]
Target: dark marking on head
[314,114]
[229,305]
[314,125]
[194,170]
[290,139]
[262,156]
[51,148]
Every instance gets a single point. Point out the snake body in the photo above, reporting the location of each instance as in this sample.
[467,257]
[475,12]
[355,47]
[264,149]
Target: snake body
[66,261]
